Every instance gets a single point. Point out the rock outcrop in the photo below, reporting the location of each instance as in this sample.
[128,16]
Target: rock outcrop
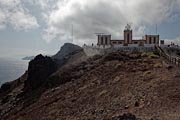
[39,70]
[42,67]
[66,50]
[69,52]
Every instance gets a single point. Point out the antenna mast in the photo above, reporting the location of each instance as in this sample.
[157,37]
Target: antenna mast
[72,33]
[156,29]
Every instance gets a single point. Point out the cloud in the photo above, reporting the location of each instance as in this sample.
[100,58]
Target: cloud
[15,14]
[21,20]
[89,17]
[43,4]
[2,20]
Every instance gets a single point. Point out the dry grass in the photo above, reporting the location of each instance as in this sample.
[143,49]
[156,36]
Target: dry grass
[149,55]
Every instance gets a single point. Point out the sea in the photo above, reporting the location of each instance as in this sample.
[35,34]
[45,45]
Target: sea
[11,69]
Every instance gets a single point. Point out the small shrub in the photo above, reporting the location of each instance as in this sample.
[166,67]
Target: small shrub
[147,72]
[144,55]
[154,56]
[158,65]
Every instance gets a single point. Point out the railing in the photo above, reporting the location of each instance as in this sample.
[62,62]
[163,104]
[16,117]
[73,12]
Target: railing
[173,59]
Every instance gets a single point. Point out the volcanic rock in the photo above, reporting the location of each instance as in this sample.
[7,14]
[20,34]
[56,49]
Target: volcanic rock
[38,71]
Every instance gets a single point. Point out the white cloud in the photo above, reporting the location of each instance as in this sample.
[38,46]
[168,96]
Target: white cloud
[21,20]
[10,3]
[43,4]
[2,20]
[14,13]
[89,17]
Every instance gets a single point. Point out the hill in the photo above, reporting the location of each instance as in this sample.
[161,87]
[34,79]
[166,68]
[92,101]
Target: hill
[114,86]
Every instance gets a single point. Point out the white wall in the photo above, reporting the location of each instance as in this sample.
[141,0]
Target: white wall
[149,45]
[133,45]
[99,50]
[117,46]
[92,50]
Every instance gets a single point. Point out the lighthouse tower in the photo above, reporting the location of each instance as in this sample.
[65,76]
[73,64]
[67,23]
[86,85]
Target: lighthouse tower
[127,35]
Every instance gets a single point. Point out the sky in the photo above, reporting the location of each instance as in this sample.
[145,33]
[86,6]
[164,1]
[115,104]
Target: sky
[30,27]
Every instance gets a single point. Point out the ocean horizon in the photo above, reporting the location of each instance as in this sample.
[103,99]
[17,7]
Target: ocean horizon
[11,69]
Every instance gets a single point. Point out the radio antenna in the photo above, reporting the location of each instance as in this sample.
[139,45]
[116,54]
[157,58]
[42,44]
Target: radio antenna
[72,33]
[156,29]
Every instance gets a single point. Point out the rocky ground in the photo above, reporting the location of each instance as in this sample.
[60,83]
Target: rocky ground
[116,86]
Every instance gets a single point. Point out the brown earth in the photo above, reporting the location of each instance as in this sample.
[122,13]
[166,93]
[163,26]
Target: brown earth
[103,88]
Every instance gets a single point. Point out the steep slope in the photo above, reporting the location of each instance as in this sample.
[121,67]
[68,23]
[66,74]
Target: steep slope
[67,49]
[69,53]
[31,85]
[105,87]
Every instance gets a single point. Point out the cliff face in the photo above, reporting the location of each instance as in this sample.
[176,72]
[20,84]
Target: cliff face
[115,86]
[39,70]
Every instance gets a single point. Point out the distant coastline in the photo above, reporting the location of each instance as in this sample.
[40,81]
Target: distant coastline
[28,58]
